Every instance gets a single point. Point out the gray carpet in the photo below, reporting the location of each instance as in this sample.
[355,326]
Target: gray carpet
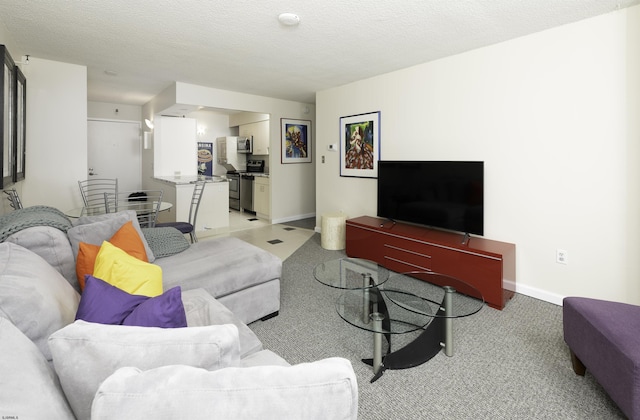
[510,364]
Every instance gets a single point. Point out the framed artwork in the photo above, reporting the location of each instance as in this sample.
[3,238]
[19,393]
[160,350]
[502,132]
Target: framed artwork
[296,140]
[6,108]
[20,106]
[360,145]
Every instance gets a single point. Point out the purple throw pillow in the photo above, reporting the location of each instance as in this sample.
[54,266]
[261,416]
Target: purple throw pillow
[103,303]
[165,311]
[106,304]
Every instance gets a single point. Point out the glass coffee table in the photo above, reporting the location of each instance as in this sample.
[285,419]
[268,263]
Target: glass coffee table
[351,274]
[402,303]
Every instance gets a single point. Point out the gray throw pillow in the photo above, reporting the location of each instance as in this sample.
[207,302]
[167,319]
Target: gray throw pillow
[34,296]
[96,229]
[165,241]
[85,354]
[30,388]
[326,389]
[51,244]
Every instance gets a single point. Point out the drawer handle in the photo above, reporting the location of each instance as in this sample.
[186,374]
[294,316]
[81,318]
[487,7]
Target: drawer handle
[407,251]
[407,263]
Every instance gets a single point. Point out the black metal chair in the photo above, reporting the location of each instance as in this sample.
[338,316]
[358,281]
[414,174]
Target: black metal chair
[190,226]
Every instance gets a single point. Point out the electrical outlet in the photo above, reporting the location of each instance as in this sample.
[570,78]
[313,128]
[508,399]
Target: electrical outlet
[562,256]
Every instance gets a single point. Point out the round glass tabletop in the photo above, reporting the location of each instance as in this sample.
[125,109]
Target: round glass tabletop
[408,302]
[350,274]
[433,288]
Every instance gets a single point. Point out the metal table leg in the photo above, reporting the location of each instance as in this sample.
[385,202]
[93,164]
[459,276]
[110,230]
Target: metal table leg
[377,318]
[366,281]
[448,321]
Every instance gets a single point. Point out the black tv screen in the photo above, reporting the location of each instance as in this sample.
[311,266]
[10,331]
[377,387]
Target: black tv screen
[441,194]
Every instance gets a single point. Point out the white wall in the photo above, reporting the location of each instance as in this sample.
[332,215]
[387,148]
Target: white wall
[111,111]
[56,142]
[292,185]
[554,117]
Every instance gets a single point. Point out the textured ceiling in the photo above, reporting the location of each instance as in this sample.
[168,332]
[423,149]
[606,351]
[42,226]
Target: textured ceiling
[239,45]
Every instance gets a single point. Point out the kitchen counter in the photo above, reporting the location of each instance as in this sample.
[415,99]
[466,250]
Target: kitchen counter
[213,216]
[189,179]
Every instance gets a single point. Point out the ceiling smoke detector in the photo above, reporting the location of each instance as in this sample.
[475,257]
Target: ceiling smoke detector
[289,19]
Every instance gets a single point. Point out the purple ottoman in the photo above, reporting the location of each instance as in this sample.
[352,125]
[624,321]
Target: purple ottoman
[604,337]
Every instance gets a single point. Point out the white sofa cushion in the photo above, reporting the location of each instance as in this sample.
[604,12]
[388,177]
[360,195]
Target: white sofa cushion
[30,388]
[85,354]
[326,389]
[263,358]
[34,296]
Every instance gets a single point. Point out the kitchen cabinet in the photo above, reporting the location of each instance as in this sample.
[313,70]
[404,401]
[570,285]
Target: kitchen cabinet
[262,197]
[175,147]
[259,131]
[221,146]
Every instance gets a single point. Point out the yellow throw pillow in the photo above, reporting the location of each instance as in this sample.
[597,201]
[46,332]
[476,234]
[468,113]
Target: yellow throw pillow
[127,273]
[126,238]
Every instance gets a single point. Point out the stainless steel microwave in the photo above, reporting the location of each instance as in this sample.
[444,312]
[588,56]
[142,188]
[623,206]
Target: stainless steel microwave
[245,145]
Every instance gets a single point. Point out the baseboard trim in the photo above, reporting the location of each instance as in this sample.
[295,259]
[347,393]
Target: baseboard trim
[292,218]
[536,293]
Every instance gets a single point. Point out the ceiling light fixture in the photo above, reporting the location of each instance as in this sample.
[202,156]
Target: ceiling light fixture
[289,19]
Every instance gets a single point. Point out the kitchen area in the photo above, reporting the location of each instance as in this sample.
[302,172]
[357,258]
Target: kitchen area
[234,163]
[247,175]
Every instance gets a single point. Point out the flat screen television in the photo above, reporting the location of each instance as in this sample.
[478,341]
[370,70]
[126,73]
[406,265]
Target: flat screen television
[442,194]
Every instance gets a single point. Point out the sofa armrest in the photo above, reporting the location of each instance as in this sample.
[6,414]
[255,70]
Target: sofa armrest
[326,389]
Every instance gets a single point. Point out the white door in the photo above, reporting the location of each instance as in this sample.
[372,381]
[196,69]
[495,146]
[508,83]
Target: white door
[115,151]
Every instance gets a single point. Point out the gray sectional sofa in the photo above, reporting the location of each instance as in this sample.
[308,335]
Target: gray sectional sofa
[54,366]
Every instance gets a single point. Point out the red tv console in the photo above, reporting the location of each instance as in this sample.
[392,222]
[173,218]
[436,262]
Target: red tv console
[489,266]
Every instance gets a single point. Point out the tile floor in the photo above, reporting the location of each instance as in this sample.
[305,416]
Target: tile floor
[279,239]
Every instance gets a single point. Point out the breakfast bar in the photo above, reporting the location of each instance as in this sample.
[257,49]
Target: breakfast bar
[213,216]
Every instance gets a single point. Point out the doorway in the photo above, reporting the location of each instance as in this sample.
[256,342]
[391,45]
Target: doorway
[114,150]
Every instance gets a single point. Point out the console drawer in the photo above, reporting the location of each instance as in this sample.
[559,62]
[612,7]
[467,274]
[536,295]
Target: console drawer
[403,260]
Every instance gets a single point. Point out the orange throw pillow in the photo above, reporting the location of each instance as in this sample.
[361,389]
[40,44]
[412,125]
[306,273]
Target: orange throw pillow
[126,238]
[87,254]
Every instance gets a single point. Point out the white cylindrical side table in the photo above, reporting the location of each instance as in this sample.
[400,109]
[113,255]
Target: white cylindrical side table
[333,231]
